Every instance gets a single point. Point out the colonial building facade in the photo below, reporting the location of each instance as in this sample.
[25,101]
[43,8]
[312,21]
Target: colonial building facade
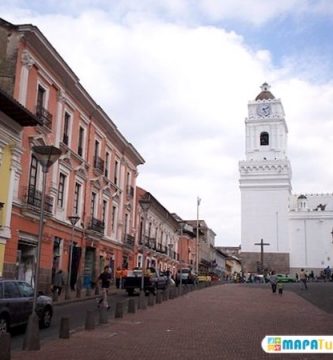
[13,117]
[297,229]
[94,179]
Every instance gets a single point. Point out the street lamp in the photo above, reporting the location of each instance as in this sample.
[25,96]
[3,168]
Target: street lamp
[197,237]
[73,220]
[47,156]
[145,205]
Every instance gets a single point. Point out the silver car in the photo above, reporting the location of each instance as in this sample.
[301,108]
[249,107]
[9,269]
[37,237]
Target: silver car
[16,298]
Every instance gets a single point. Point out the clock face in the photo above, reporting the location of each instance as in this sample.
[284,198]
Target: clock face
[264,109]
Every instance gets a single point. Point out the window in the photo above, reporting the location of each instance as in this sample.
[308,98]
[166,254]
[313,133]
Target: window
[41,92]
[104,210]
[61,189]
[93,204]
[264,139]
[81,138]
[113,218]
[11,290]
[77,192]
[126,225]
[116,168]
[33,173]
[96,149]
[66,128]
[107,161]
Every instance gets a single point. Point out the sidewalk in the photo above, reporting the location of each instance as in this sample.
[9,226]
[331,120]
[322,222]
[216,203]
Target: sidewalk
[218,322]
[73,296]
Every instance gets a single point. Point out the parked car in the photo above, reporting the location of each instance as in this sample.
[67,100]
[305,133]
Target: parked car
[153,280]
[16,299]
[285,278]
[187,276]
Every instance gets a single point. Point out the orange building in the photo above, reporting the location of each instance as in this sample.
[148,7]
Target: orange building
[94,178]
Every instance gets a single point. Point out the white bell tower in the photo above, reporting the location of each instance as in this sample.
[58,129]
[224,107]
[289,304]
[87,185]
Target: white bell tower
[265,184]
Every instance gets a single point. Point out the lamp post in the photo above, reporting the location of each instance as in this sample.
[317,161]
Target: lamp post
[145,205]
[73,220]
[197,238]
[47,156]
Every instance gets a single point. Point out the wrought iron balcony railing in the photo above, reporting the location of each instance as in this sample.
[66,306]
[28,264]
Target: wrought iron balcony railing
[33,198]
[45,116]
[96,225]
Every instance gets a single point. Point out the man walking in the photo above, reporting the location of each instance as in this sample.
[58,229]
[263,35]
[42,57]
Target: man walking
[273,281]
[105,278]
[303,278]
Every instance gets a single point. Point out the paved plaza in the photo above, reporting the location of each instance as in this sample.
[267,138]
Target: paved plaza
[219,322]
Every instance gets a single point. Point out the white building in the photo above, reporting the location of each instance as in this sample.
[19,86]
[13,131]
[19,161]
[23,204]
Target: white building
[298,228]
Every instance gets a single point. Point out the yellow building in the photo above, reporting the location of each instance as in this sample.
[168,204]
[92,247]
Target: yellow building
[13,117]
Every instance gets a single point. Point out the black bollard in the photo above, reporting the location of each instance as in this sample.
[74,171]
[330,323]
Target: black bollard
[151,299]
[158,297]
[131,306]
[90,320]
[119,310]
[5,346]
[142,301]
[103,316]
[64,328]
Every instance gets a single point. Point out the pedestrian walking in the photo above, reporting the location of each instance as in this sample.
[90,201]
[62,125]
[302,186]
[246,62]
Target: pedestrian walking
[273,281]
[119,275]
[303,279]
[58,282]
[104,279]
[280,288]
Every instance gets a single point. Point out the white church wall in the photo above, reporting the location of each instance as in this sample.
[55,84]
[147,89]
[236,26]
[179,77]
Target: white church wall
[311,240]
[265,216]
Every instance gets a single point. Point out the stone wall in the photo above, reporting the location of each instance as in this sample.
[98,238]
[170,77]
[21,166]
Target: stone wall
[278,262]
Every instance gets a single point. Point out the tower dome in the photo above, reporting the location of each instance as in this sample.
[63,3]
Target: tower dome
[265,93]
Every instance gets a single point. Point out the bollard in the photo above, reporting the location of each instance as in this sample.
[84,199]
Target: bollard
[103,316]
[159,298]
[88,291]
[90,320]
[131,306]
[64,328]
[119,310]
[151,299]
[142,301]
[78,292]
[5,346]
[166,293]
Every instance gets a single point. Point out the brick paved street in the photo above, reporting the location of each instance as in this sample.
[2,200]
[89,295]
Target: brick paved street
[220,322]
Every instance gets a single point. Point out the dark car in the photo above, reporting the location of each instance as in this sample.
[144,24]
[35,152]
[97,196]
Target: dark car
[16,298]
[187,276]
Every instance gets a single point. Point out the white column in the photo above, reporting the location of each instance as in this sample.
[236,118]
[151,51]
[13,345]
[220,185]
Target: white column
[27,62]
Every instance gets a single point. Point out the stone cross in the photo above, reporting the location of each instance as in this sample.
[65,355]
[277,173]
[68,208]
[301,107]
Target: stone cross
[262,244]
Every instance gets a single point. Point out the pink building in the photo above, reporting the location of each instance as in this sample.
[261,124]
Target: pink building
[94,179]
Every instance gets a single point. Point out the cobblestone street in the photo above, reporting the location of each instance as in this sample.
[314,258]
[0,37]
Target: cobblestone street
[218,322]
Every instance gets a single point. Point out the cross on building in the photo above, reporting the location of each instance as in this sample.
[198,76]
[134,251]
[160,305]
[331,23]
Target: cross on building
[262,244]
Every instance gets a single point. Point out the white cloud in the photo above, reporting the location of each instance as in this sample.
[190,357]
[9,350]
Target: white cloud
[179,93]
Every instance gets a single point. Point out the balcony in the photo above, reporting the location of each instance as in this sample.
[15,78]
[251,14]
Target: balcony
[99,164]
[44,116]
[33,198]
[96,225]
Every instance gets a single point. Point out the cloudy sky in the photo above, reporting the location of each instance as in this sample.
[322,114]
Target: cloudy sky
[176,76]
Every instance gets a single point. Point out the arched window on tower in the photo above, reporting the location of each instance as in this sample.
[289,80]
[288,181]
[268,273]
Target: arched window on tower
[264,138]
